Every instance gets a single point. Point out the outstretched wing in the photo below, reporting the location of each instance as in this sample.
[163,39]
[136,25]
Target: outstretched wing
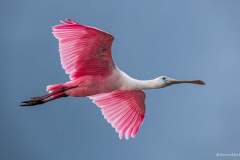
[83,50]
[124,110]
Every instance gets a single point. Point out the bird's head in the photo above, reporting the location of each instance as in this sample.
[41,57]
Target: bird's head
[164,81]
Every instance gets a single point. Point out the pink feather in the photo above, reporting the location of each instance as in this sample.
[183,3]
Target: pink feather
[127,115]
[79,48]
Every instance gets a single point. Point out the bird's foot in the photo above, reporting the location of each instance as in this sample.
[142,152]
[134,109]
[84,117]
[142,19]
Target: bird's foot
[46,98]
[33,101]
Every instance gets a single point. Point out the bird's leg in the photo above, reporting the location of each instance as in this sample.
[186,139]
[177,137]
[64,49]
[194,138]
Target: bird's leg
[38,101]
[46,98]
[50,94]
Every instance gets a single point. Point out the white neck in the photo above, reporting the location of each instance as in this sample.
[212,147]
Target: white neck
[146,84]
[135,84]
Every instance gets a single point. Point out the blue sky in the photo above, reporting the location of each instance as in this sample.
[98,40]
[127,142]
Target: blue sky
[182,39]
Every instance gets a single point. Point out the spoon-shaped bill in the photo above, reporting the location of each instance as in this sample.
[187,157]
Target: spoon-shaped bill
[200,82]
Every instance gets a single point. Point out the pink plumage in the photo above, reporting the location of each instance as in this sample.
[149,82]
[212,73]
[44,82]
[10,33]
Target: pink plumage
[83,50]
[124,110]
[85,54]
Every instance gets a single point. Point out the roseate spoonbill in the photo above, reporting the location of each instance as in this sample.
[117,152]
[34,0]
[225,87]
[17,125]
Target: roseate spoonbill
[85,54]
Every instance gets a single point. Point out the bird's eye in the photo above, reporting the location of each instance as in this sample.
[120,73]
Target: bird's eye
[164,78]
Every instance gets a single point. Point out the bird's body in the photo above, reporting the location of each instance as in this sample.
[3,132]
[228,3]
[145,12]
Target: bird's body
[117,80]
[88,85]
[85,54]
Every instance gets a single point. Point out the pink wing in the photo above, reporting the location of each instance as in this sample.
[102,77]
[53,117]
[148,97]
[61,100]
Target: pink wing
[83,50]
[124,110]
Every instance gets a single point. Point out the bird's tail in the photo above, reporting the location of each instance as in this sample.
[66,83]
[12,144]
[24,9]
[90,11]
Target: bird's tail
[55,91]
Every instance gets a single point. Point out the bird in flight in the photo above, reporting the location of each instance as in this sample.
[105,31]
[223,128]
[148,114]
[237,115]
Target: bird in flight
[86,56]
